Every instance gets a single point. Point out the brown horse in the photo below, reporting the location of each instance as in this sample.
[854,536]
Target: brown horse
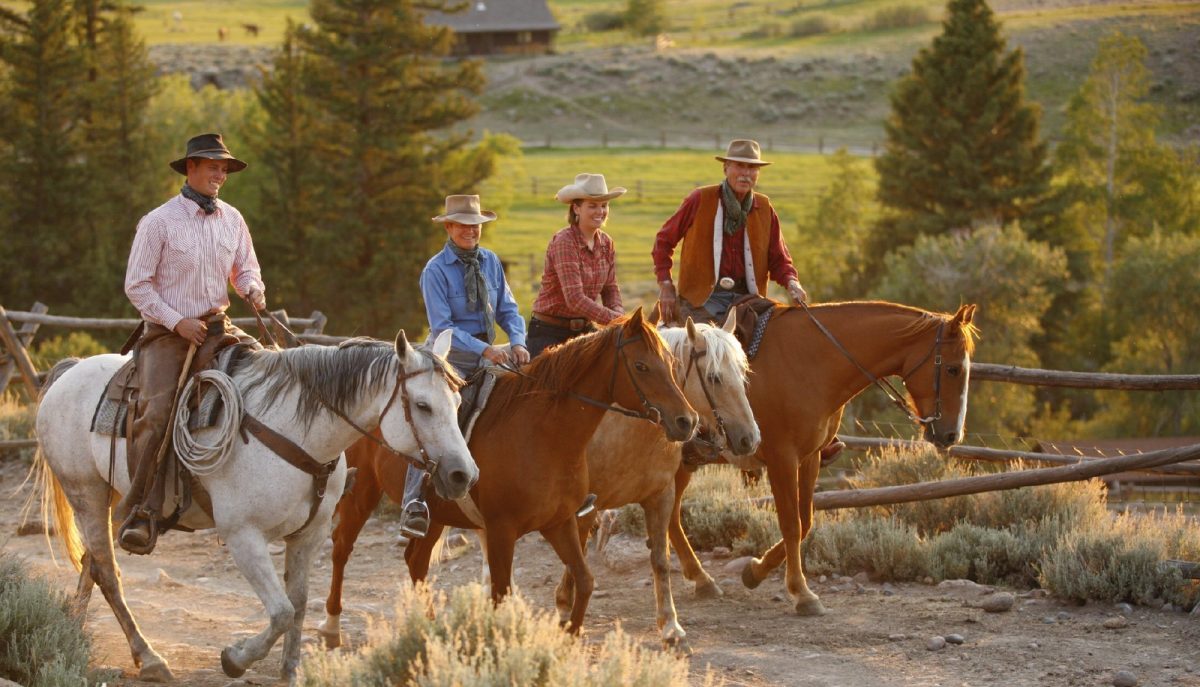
[529,445]
[809,365]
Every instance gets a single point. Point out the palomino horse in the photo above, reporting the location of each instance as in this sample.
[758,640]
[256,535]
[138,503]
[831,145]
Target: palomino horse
[630,462]
[529,443]
[804,374]
[309,395]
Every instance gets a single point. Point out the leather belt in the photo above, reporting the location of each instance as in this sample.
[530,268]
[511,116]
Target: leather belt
[575,324]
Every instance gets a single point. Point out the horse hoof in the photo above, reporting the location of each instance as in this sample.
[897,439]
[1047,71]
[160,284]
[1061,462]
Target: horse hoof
[231,669]
[748,577]
[811,607]
[708,590]
[332,639]
[677,646]
[156,672]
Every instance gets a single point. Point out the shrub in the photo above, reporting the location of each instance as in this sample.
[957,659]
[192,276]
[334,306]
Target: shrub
[604,21]
[850,542]
[1122,559]
[813,26]
[73,345]
[460,638]
[16,422]
[43,644]
[897,17]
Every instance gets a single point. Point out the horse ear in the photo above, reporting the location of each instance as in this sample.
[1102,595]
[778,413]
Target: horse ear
[691,329]
[441,345]
[402,346]
[636,320]
[965,314]
[730,321]
[655,315]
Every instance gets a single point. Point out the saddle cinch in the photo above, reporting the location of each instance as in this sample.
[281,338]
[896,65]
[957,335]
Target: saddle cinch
[113,419]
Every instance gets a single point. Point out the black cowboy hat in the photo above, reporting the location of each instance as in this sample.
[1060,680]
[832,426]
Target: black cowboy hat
[209,147]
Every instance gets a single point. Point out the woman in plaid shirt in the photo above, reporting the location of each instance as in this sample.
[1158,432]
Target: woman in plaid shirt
[579,280]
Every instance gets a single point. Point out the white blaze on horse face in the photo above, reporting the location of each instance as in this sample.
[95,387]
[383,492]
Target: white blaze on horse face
[961,421]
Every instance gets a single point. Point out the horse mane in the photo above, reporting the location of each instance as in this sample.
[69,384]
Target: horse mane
[721,346]
[340,376]
[560,369]
[922,321]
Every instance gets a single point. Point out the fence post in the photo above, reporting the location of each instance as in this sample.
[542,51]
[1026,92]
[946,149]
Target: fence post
[17,351]
[25,336]
[318,325]
[638,190]
[662,139]
[604,139]
[821,145]
[717,135]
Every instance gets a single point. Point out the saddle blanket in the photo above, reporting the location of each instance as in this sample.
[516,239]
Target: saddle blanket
[112,411]
[475,397]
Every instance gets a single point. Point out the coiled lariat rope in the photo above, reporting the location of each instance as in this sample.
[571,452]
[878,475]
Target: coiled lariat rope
[204,459]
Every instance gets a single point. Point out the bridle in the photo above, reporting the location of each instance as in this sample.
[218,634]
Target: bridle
[694,357]
[935,353]
[422,461]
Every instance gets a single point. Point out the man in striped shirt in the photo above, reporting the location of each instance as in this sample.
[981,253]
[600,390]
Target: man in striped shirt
[184,255]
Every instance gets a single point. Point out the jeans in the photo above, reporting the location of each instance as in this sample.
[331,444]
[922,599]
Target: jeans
[542,335]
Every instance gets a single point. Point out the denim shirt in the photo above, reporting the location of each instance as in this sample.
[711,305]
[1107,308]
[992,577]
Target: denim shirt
[444,290]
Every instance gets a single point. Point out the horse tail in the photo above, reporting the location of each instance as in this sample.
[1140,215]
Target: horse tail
[47,485]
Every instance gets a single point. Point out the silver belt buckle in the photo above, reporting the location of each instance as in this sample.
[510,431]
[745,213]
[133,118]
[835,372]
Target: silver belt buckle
[726,283]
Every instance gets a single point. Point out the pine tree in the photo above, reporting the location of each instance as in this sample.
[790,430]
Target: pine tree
[645,17]
[962,146]
[378,104]
[117,136]
[40,181]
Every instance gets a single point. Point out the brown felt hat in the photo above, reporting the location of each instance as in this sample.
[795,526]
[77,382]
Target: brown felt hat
[208,147]
[464,210]
[743,150]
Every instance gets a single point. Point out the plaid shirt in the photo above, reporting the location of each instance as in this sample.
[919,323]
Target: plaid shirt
[577,279]
[182,260]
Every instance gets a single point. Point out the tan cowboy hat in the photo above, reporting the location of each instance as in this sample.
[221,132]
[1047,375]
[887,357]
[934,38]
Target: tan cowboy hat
[209,147]
[464,210]
[588,187]
[743,150]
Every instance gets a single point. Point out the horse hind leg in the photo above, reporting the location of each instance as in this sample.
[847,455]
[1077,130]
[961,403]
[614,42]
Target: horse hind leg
[564,593]
[91,507]
[249,550]
[658,515]
[785,479]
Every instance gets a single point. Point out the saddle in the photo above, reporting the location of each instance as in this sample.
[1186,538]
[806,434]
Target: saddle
[753,314]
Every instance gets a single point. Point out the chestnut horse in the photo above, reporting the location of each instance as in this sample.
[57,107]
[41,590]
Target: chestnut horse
[529,445]
[630,462]
[809,365]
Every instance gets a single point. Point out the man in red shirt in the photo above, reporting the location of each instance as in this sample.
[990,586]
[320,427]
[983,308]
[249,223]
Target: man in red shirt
[731,244]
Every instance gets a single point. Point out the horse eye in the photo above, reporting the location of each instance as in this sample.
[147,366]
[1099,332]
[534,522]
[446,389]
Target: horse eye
[714,379]
[953,370]
[641,367]
[422,405]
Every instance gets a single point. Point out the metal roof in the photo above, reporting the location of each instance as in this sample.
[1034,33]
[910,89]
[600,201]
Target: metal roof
[482,16]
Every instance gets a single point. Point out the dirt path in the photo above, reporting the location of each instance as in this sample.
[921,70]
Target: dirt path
[191,602]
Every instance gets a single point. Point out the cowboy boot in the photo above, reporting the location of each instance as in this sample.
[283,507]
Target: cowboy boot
[830,451]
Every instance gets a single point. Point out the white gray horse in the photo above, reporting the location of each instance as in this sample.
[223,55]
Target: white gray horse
[257,497]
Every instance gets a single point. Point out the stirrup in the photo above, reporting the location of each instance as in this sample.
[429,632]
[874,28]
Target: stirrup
[829,453]
[589,505]
[130,537]
[414,522]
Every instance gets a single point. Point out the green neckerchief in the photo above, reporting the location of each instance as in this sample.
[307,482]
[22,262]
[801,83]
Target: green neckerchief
[736,211]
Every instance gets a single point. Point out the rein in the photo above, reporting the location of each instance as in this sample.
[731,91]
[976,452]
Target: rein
[892,393]
[649,410]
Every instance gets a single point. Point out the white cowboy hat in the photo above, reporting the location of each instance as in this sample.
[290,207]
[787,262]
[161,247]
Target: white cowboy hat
[464,210]
[588,187]
[743,150]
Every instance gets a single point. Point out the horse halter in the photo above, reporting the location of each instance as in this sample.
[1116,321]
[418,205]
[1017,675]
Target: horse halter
[892,393]
[693,357]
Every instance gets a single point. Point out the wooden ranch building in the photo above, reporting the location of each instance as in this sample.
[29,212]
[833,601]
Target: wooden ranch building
[500,27]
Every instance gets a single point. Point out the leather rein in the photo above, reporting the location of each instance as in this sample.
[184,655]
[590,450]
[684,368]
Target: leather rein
[694,357]
[649,411]
[935,353]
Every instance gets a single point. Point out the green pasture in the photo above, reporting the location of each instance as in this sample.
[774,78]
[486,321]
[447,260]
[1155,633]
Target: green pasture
[657,179]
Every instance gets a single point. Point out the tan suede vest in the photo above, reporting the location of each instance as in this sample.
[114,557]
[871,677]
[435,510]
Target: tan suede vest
[697,271]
